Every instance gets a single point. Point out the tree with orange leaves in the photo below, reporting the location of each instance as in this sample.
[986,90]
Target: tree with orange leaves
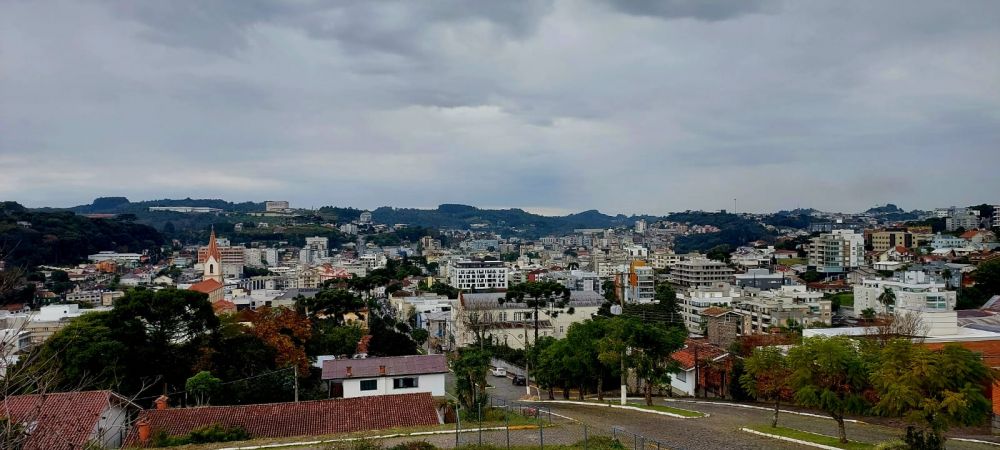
[285,331]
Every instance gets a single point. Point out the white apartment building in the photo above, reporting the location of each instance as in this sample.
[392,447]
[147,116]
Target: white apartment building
[115,256]
[700,272]
[694,300]
[472,275]
[763,310]
[837,252]
[640,226]
[514,323]
[964,218]
[254,257]
[914,290]
[275,206]
[271,257]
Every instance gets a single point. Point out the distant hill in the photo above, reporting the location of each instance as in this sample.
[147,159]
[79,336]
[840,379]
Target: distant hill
[512,220]
[121,205]
[30,238]
[887,209]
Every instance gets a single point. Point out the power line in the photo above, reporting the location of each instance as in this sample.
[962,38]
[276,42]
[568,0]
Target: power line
[223,383]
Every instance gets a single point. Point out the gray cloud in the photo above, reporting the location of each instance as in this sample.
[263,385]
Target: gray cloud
[562,105]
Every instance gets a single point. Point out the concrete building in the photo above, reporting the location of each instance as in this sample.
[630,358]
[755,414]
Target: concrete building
[130,258]
[276,206]
[640,226]
[885,240]
[963,218]
[837,252]
[186,209]
[513,323]
[913,290]
[790,305]
[637,283]
[700,272]
[695,300]
[760,279]
[574,280]
[473,275]
[365,218]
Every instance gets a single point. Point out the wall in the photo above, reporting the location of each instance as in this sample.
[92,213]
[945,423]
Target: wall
[685,387]
[432,383]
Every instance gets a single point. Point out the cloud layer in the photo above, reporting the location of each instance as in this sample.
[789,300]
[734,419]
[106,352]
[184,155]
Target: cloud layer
[624,106]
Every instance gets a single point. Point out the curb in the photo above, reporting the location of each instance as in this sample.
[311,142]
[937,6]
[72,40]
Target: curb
[632,408]
[788,439]
[763,408]
[384,436]
[975,441]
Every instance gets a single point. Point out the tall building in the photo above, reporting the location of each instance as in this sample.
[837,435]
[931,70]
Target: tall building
[365,218]
[640,226]
[470,274]
[271,256]
[837,252]
[700,272]
[967,219]
[914,290]
[638,284]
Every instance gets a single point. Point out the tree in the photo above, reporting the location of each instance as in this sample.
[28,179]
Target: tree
[766,376]
[328,338]
[330,303]
[987,278]
[470,366]
[202,386]
[646,349]
[419,335]
[868,314]
[887,298]
[933,389]
[285,331]
[537,295]
[829,374]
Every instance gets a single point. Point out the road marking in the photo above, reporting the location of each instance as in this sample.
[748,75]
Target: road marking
[632,408]
[788,439]
[976,441]
[764,408]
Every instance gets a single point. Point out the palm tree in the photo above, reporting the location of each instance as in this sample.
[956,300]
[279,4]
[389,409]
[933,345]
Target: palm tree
[887,298]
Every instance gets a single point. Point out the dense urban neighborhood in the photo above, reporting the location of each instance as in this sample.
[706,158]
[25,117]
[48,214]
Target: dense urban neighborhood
[183,323]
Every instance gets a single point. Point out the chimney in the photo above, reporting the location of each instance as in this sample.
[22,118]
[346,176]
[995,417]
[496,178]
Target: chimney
[381,370]
[162,402]
[349,373]
[144,430]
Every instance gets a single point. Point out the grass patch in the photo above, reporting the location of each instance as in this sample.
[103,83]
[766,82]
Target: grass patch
[668,409]
[811,437]
[788,262]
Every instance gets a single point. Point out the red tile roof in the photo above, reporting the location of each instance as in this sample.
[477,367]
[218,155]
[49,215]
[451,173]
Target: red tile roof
[714,311]
[312,418]
[685,356]
[206,287]
[62,420]
[336,369]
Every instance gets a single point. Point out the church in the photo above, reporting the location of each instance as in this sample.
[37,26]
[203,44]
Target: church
[211,279]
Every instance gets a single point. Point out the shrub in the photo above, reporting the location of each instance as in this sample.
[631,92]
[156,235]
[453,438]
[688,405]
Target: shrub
[414,445]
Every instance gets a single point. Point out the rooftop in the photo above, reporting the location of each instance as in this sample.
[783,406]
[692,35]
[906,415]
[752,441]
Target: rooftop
[337,369]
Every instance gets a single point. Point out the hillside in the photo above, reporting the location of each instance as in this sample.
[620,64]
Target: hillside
[30,238]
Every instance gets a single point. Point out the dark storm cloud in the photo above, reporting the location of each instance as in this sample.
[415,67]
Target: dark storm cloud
[709,10]
[556,105]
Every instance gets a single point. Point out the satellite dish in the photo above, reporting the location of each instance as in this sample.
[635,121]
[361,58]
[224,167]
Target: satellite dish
[616,310]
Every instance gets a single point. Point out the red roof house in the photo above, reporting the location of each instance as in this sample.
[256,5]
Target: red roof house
[69,420]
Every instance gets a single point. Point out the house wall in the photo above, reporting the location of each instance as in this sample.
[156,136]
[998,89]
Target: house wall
[111,429]
[685,386]
[432,383]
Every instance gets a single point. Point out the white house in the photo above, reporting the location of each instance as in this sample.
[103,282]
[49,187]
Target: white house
[368,377]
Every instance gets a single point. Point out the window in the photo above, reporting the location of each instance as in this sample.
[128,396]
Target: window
[404,383]
[681,376]
[369,385]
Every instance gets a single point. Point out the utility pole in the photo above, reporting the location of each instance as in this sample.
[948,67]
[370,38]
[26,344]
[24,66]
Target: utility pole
[295,373]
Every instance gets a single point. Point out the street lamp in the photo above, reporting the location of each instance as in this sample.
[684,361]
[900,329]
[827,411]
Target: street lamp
[618,310]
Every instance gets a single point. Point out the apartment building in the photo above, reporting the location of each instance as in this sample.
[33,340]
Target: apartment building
[884,240]
[964,218]
[695,300]
[637,284]
[790,305]
[700,272]
[275,206]
[912,289]
[837,252]
[473,275]
[513,323]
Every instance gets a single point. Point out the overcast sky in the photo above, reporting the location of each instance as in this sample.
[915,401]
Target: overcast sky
[628,106]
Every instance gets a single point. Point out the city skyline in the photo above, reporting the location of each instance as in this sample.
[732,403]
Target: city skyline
[624,107]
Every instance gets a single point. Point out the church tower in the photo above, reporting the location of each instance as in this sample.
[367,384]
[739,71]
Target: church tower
[213,261]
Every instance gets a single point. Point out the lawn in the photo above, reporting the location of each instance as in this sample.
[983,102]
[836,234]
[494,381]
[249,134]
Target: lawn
[668,409]
[788,262]
[810,437]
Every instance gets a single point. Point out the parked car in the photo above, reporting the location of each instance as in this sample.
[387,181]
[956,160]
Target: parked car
[519,380]
[499,372]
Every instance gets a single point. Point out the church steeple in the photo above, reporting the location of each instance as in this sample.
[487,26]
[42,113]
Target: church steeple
[213,260]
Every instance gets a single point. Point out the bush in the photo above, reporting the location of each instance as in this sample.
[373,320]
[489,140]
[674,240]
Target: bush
[215,432]
[414,445]
[600,443]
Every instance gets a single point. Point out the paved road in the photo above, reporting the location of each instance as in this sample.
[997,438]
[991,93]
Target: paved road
[719,430]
